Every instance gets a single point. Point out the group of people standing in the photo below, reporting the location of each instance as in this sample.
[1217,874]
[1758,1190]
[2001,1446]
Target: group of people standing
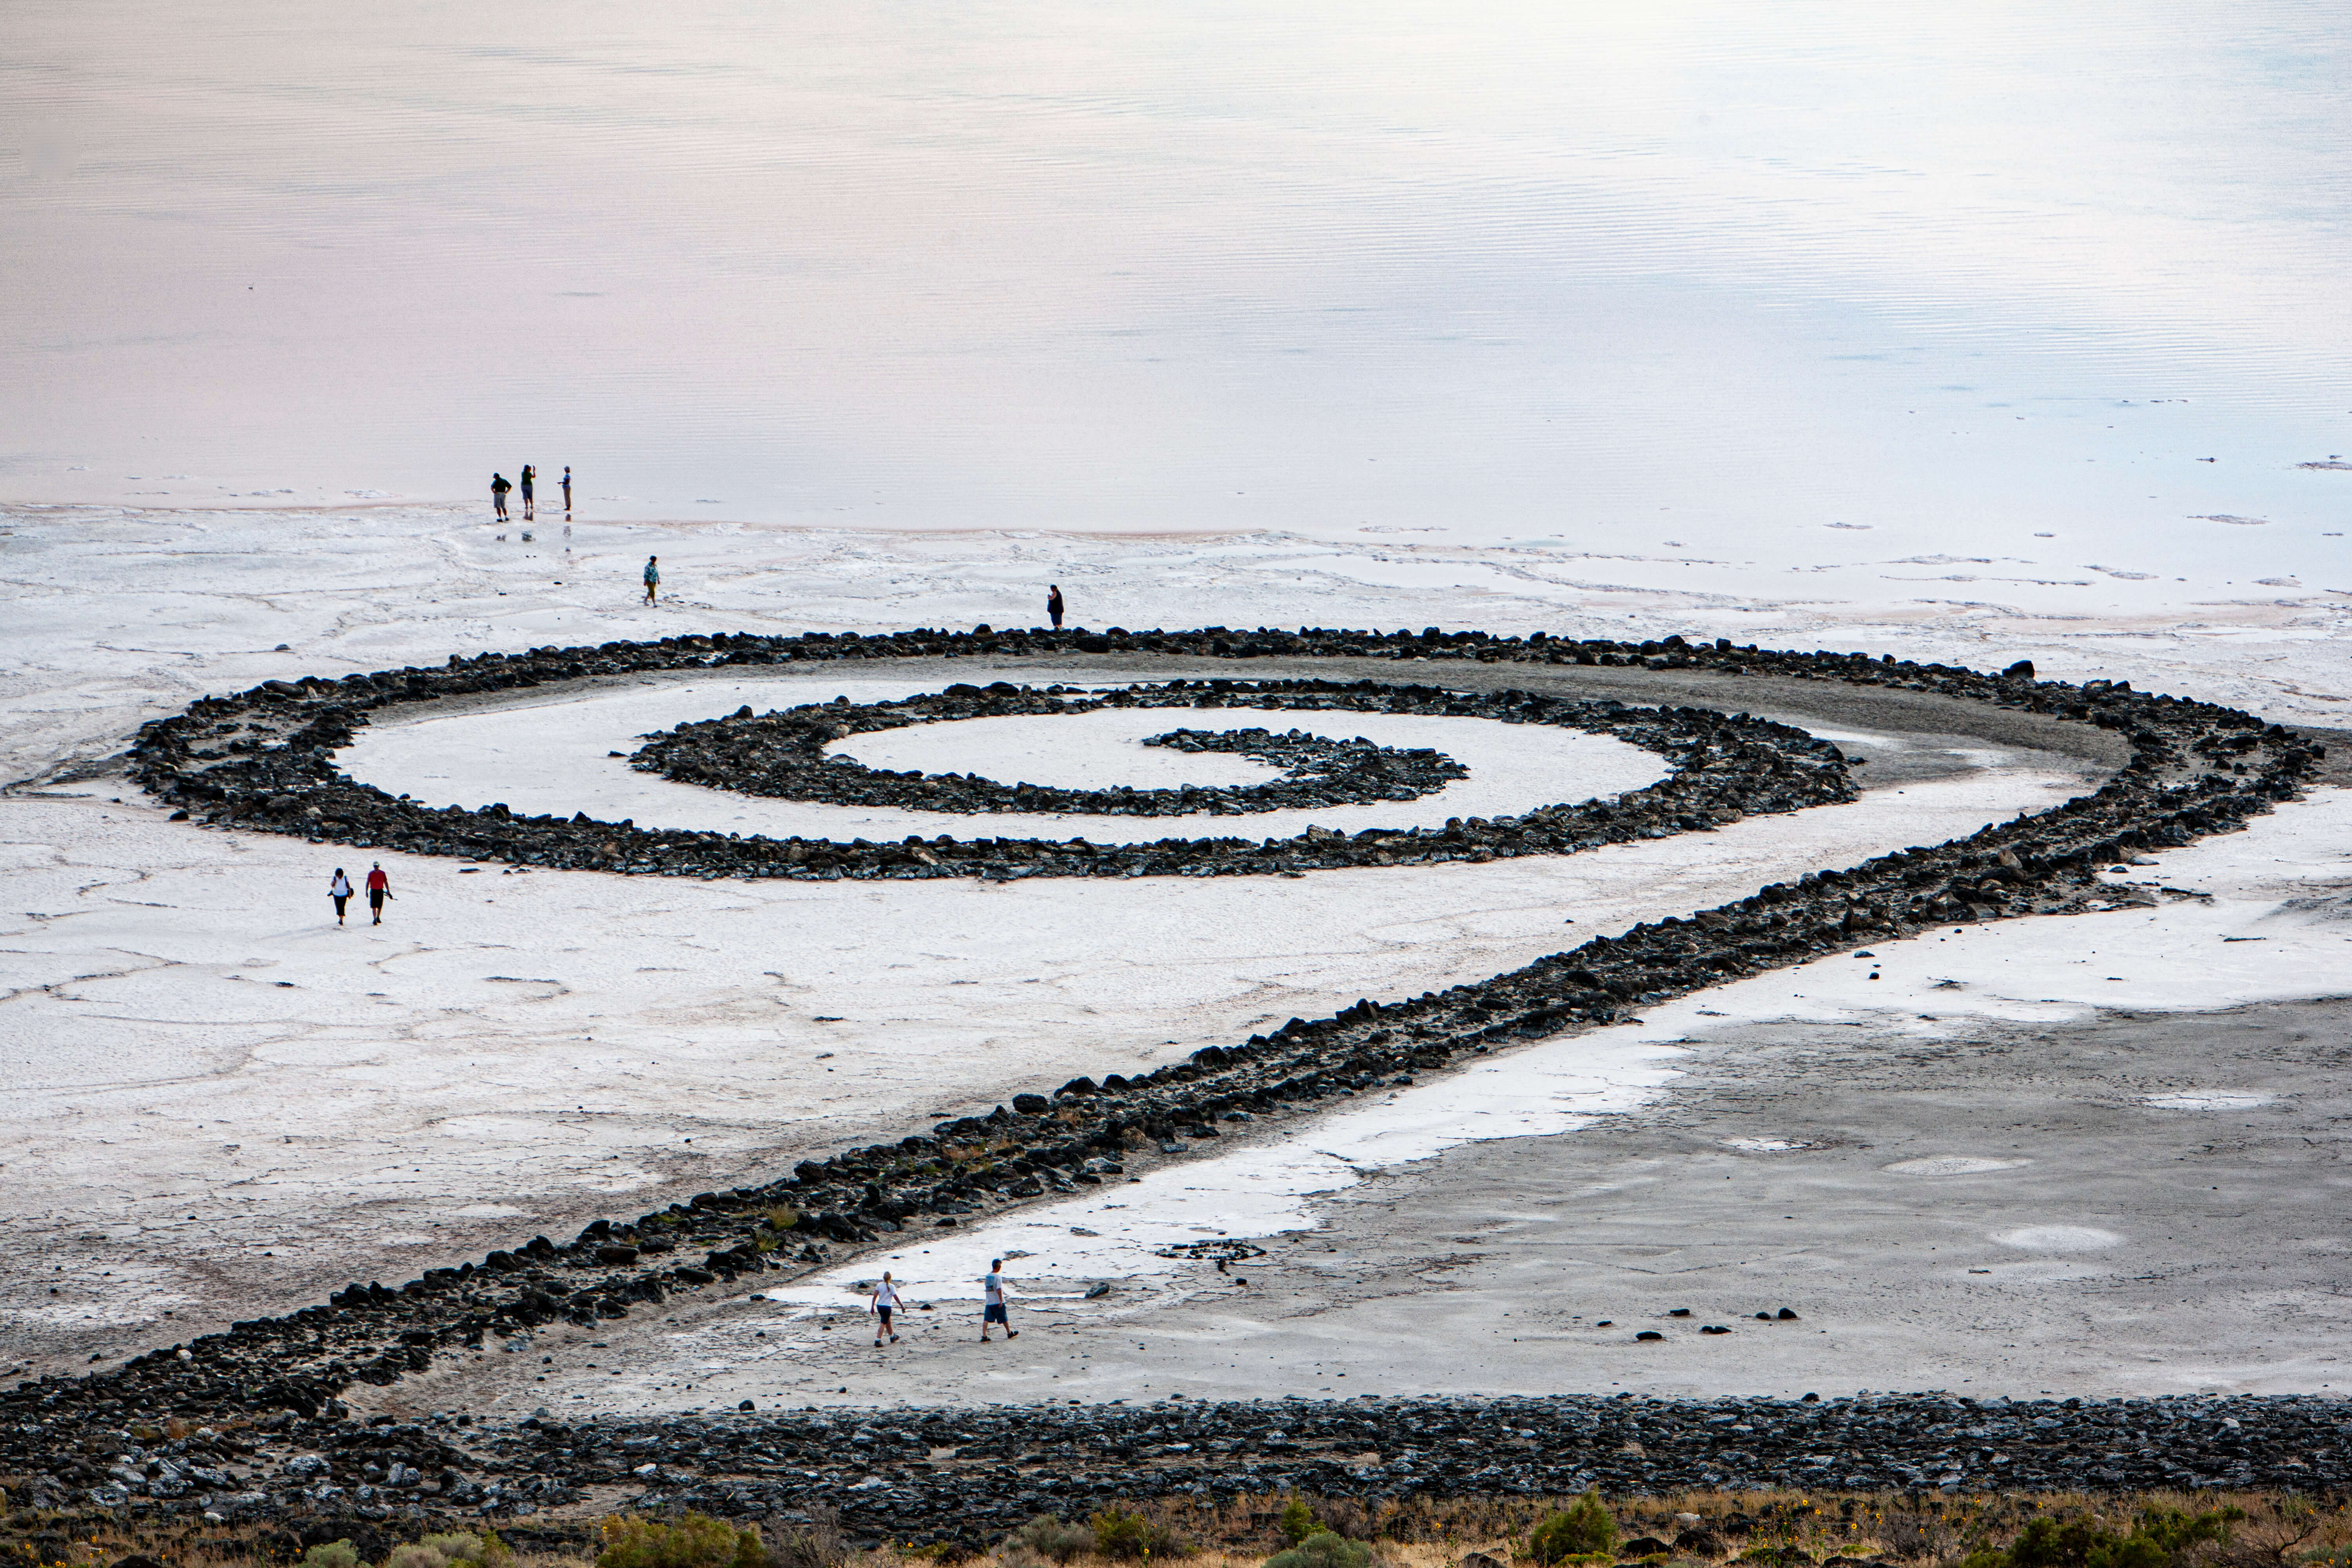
[500,487]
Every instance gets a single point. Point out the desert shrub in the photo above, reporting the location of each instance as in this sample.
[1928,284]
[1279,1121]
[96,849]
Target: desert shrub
[1323,1550]
[1349,1517]
[334,1554]
[416,1556]
[817,1544]
[1120,1535]
[1048,1537]
[463,1548]
[1297,1521]
[696,1541]
[1910,1536]
[1582,1530]
[2160,1537]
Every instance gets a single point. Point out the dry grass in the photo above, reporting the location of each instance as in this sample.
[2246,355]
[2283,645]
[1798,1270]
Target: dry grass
[2280,1530]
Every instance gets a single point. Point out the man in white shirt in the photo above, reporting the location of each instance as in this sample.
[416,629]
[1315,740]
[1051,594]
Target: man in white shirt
[991,1296]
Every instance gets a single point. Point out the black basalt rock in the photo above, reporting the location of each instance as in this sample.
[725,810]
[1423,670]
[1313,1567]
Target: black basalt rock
[261,760]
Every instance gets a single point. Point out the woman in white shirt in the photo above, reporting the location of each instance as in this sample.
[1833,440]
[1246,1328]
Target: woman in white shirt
[885,1300]
[339,888]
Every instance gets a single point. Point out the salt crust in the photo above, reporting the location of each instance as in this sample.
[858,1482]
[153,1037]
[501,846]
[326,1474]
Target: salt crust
[2280,880]
[411,1113]
[554,1040]
[550,758]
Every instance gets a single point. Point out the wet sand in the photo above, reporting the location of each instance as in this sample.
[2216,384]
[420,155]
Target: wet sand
[1998,1209]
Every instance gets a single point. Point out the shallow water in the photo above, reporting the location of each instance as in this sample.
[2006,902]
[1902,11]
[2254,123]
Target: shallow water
[1703,277]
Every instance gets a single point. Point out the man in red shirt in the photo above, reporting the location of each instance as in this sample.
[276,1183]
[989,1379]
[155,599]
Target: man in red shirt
[379,886]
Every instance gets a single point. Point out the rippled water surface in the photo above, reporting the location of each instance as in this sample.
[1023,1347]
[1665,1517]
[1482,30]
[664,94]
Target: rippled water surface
[1678,275]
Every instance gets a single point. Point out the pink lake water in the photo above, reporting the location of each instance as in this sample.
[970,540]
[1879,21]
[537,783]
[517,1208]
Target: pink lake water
[1706,276]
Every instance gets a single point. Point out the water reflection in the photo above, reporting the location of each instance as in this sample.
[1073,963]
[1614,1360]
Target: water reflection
[1708,273]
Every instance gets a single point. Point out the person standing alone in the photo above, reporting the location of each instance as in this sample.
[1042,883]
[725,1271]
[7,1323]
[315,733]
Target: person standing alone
[530,477]
[992,1302]
[379,886]
[1054,604]
[653,576]
[567,489]
[339,888]
[499,489]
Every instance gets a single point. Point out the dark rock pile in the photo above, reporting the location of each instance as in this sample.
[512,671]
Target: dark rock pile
[264,759]
[782,754]
[1007,1465]
[2195,769]
[971,1474]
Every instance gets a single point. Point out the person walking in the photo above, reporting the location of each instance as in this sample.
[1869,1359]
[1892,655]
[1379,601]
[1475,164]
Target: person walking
[529,475]
[379,886]
[991,1298]
[653,576]
[567,489]
[499,489]
[1054,604]
[885,1301]
[339,888]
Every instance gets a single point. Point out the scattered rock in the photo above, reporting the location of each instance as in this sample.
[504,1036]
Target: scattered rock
[261,760]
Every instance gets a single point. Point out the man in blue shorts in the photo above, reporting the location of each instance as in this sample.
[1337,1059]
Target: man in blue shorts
[992,1294]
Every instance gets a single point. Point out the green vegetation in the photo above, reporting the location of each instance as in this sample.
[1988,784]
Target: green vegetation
[1051,1539]
[1583,1529]
[1323,1550]
[459,1549]
[2160,1537]
[696,1540]
[1120,1535]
